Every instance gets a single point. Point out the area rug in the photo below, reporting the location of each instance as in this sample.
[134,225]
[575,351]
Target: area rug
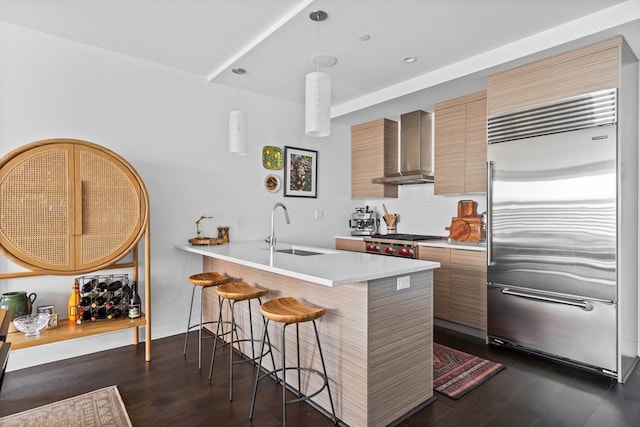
[100,408]
[456,373]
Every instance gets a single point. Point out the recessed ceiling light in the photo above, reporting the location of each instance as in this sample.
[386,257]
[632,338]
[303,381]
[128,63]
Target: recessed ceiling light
[409,59]
[324,60]
[238,70]
[365,37]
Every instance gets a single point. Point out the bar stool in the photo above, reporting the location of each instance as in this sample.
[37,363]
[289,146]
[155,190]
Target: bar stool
[202,281]
[287,311]
[236,292]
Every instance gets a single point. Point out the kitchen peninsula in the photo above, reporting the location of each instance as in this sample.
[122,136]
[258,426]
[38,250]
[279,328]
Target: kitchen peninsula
[376,334]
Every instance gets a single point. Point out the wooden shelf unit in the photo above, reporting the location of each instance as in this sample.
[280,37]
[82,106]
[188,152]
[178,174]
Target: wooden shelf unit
[70,330]
[91,183]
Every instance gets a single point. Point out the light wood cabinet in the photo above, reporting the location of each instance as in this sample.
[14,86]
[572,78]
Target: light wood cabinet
[441,279]
[461,145]
[587,69]
[350,245]
[69,207]
[459,285]
[469,288]
[374,153]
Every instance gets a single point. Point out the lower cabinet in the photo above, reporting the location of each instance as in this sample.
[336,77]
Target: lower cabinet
[441,279]
[459,285]
[350,245]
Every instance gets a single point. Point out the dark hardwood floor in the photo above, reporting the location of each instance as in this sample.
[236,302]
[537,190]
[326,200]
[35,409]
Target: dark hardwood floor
[170,391]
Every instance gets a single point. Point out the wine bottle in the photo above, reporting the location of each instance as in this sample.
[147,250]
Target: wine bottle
[135,309]
[113,286]
[74,302]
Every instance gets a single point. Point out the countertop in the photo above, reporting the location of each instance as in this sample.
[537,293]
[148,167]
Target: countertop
[331,267]
[435,244]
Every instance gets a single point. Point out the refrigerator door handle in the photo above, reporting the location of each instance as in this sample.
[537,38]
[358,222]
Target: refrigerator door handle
[489,212]
[585,305]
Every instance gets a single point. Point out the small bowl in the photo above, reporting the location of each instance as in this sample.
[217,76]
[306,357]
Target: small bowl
[31,323]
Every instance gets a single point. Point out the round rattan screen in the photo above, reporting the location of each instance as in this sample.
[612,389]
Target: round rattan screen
[69,206]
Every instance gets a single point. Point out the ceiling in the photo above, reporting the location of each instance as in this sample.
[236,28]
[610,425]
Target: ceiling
[457,42]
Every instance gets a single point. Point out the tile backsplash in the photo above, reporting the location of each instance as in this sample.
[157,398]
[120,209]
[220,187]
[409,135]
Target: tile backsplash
[422,212]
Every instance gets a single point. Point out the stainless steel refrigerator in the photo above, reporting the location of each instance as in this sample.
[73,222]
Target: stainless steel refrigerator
[552,249]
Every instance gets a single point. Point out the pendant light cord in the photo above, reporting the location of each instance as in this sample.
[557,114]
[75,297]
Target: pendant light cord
[318,42]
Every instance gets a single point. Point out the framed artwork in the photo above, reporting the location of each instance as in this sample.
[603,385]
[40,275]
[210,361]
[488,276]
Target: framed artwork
[53,321]
[300,172]
[53,316]
[46,309]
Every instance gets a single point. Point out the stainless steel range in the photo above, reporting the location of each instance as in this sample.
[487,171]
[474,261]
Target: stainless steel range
[400,245]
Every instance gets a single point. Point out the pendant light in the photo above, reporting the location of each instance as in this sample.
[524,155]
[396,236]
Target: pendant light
[317,119]
[237,132]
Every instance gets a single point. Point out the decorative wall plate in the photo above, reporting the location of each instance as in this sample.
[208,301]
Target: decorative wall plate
[272,157]
[272,183]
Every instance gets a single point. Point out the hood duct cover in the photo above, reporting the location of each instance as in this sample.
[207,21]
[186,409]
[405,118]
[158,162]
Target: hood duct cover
[416,151]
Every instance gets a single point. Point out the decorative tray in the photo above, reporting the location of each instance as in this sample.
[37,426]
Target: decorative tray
[272,157]
[201,241]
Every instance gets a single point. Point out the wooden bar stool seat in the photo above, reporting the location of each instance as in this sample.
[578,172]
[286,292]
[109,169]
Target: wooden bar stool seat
[240,291]
[236,292]
[202,281]
[212,278]
[288,311]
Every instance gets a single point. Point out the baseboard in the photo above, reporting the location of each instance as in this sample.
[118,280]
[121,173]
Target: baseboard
[478,333]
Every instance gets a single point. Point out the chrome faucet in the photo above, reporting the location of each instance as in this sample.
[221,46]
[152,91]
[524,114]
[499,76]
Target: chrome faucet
[271,238]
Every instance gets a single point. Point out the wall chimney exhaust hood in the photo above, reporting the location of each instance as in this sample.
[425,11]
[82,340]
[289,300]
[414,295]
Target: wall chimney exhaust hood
[416,151]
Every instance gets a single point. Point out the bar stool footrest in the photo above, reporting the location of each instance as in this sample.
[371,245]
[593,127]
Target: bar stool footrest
[244,357]
[293,368]
[224,322]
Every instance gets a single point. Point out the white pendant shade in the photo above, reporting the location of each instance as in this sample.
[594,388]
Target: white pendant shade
[317,120]
[237,132]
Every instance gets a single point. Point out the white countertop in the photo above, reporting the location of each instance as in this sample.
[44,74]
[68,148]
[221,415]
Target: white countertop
[435,244]
[330,268]
[480,247]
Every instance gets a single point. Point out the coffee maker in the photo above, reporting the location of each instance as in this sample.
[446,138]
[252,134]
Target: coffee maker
[364,222]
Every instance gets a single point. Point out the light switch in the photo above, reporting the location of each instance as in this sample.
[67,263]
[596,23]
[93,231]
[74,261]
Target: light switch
[403,282]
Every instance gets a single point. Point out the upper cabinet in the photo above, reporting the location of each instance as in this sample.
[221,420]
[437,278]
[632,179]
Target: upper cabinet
[461,145]
[579,71]
[374,153]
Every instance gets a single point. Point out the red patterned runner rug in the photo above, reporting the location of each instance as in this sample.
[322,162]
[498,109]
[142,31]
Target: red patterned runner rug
[456,373]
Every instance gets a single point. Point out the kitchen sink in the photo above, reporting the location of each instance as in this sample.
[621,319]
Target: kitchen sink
[301,252]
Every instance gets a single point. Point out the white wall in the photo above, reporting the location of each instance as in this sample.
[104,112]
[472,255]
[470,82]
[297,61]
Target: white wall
[172,127]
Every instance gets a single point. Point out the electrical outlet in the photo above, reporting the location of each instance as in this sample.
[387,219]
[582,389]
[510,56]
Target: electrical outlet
[403,282]
[237,223]
[318,214]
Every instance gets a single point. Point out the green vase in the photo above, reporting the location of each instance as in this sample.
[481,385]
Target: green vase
[18,303]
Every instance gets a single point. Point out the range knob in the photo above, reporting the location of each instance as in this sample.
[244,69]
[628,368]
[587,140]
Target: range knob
[388,250]
[405,252]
